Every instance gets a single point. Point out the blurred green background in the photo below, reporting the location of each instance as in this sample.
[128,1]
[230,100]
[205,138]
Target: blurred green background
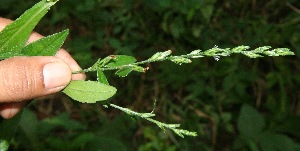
[236,103]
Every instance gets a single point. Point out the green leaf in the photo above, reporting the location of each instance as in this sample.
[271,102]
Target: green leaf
[120,60]
[271,141]
[14,36]
[46,46]
[107,143]
[101,77]
[29,126]
[9,55]
[250,122]
[102,62]
[123,72]
[64,121]
[114,43]
[82,139]
[89,91]
[7,130]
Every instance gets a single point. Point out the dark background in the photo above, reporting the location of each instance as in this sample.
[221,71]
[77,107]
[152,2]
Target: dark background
[236,103]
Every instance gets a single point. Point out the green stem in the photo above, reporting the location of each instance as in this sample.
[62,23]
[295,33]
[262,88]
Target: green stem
[163,126]
[213,52]
[116,68]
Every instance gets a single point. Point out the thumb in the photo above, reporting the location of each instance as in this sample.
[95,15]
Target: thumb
[24,78]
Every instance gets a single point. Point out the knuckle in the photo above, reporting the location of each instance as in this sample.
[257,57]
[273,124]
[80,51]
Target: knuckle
[18,82]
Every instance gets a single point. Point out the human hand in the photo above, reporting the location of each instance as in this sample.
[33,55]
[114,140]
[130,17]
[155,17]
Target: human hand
[25,78]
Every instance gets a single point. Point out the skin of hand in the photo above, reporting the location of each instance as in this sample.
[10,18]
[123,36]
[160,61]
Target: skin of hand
[26,78]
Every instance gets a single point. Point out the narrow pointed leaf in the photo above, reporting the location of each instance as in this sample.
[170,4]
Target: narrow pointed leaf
[121,60]
[46,46]
[101,77]
[89,91]
[102,62]
[14,36]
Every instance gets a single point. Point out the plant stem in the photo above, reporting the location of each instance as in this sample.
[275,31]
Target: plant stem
[213,52]
[163,126]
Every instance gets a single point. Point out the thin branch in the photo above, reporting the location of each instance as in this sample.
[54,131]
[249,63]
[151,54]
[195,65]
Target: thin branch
[294,8]
[215,52]
[163,126]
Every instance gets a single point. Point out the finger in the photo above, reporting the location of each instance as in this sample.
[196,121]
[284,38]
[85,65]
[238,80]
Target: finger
[24,78]
[34,36]
[65,56]
[9,110]
[4,22]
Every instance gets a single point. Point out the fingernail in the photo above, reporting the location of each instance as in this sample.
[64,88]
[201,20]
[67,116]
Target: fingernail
[56,74]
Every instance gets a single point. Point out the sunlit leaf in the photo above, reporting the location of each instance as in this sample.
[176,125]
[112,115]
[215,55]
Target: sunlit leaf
[102,62]
[14,36]
[89,91]
[124,72]
[101,77]
[46,46]
[120,60]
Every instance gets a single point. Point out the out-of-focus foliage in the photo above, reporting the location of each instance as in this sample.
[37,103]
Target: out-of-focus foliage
[235,103]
